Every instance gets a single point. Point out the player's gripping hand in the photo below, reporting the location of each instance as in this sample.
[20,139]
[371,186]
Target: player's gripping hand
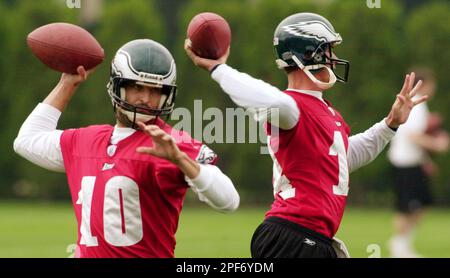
[403,103]
[164,145]
[204,63]
[76,79]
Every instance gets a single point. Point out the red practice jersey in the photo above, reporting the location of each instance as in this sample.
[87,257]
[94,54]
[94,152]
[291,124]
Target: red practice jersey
[127,204]
[310,167]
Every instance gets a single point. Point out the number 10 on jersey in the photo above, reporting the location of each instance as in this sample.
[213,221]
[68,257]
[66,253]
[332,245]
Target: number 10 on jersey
[122,220]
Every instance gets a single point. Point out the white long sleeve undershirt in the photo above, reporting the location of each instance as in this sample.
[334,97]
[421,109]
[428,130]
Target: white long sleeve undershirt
[39,142]
[256,94]
[38,138]
[366,146]
[249,92]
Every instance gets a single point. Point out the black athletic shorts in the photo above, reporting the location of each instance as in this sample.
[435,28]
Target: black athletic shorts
[411,189]
[280,238]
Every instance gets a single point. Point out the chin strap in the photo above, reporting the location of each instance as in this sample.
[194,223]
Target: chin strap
[306,69]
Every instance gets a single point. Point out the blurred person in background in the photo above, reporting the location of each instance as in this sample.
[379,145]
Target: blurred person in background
[409,154]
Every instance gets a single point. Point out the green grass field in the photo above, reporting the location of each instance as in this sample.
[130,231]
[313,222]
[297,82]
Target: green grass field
[48,230]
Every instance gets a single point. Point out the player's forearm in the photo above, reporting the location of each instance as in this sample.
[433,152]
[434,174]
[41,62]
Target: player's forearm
[60,96]
[250,92]
[215,188]
[189,167]
[365,147]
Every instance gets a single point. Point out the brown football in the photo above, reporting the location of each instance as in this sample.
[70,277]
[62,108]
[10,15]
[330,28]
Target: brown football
[63,47]
[210,35]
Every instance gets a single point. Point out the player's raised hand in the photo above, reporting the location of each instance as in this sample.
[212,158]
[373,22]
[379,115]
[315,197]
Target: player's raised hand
[76,79]
[404,103]
[164,145]
[204,63]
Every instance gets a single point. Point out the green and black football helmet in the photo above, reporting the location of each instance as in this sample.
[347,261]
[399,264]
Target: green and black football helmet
[147,63]
[305,41]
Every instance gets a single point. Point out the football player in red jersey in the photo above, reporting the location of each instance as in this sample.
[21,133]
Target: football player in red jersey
[312,151]
[127,181]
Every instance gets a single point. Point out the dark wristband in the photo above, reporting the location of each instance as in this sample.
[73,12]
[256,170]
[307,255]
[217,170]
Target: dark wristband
[214,68]
[394,129]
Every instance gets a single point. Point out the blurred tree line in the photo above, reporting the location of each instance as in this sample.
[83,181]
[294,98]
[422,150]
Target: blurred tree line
[381,44]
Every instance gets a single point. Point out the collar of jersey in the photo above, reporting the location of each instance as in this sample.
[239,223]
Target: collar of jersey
[120,133]
[317,94]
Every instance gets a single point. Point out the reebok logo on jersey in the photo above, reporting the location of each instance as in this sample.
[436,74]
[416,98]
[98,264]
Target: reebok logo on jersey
[309,242]
[107,166]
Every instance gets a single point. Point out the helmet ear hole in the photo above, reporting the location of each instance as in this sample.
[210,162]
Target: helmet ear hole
[286,55]
[318,58]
